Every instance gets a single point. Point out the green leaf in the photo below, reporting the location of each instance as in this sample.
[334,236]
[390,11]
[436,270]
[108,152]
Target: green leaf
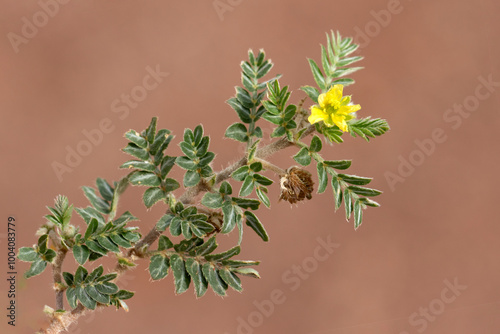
[260,179]
[105,189]
[131,236]
[337,192]
[96,295]
[136,138]
[170,184]
[194,270]
[358,214]
[90,213]
[164,243]
[256,225]
[229,217]
[175,227]
[247,186]
[354,179]
[212,200]
[348,61]
[166,165]
[256,166]
[240,173]
[368,127]
[181,277]
[106,243]
[68,278]
[186,163]
[246,203]
[95,247]
[243,112]
[188,150]
[278,132]
[152,196]
[207,247]
[136,151]
[84,298]
[237,131]
[347,204]
[107,288]
[303,157]
[312,92]
[151,130]
[322,177]
[231,279]
[364,191]
[27,254]
[81,253]
[164,222]
[71,297]
[225,188]
[250,272]
[191,178]
[141,165]
[316,144]
[80,275]
[186,230]
[98,203]
[96,273]
[262,196]
[162,139]
[142,178]
[264,69]
[158,267]
[49,255]
[202,149]
[213,278]
[318,76]
[225,255]
[369,202]
[120,241]
[91,228]
[124,294]
[42,243]
[234,264]
[338,164]
[36,268]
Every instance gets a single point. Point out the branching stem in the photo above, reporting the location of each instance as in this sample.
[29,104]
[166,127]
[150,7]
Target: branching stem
[61,323]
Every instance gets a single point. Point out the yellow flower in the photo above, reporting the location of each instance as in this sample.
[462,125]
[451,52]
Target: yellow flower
[333,109]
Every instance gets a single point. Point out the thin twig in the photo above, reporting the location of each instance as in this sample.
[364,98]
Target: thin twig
[60,323]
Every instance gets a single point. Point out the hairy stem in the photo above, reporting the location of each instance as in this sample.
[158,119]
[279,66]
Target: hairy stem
[60,323]
[57,276]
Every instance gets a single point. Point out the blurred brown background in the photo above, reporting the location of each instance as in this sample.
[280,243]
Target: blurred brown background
[438,224]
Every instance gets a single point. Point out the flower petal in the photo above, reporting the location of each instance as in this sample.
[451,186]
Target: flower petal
[351,108]
[339,121]
[336,92]
[317,115]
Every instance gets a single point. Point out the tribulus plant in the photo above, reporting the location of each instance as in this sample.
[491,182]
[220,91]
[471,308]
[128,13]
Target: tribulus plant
[208,204]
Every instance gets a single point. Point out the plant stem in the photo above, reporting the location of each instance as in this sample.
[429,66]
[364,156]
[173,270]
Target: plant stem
[61,323]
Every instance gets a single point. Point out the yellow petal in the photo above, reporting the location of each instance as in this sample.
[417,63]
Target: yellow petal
[317,115]
[322,100]
[336,92]
[351,108]
[339,121]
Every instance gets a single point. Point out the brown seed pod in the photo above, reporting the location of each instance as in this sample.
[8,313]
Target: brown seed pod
[296,185]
